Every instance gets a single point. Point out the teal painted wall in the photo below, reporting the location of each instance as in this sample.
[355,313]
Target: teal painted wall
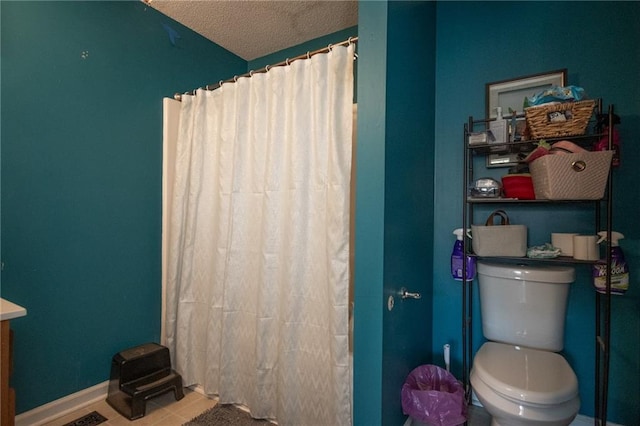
[409,170]
[394,212]
[480,42]
[82,88]
[370,213]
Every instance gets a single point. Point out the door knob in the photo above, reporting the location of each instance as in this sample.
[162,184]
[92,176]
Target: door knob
[409,295]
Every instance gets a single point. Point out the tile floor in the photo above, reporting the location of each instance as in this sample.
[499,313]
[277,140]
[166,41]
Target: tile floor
[163,410]
[166,411]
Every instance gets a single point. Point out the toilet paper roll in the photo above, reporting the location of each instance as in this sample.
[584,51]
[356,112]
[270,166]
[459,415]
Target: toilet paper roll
[563,241]
[585,247]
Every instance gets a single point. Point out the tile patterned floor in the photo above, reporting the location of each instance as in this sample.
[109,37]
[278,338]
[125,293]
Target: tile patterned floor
[166,411]
[161,411]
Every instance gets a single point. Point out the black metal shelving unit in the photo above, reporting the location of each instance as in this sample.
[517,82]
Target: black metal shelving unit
[602,300]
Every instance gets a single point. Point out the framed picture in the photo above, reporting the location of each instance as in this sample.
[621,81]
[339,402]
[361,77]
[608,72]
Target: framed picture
[510,94]
[505,160]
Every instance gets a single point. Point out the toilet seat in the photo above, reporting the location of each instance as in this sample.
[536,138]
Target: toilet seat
[525,375]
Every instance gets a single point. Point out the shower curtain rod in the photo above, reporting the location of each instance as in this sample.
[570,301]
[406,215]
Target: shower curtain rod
[350,40]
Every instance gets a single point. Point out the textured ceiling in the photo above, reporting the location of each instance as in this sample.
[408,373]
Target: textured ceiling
[252,29]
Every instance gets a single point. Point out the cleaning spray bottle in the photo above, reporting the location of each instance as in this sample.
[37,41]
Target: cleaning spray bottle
[457,257]
[619,267]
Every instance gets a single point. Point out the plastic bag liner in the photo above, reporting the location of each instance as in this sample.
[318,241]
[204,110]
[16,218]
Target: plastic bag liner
[432,395]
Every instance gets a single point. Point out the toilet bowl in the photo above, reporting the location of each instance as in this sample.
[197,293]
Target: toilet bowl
[517,375]
[521,386]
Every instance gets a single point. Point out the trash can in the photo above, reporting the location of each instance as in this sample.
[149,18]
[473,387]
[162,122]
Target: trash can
[432,396]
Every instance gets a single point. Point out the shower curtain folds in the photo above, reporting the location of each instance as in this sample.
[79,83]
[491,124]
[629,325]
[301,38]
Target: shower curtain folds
[258,241]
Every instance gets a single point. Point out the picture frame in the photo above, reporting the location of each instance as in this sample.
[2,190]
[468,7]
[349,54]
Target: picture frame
[508,159]
[511,93]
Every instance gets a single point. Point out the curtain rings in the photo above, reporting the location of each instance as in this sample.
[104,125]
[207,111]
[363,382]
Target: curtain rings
[351,40]
[355,54]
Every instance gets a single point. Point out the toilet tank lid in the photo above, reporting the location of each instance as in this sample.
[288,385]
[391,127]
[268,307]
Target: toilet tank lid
[545,274]
[524,374]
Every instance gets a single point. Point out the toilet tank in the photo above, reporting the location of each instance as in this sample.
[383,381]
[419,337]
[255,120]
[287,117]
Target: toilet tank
[524,305]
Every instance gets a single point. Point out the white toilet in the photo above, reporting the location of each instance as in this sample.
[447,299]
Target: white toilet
[518,376]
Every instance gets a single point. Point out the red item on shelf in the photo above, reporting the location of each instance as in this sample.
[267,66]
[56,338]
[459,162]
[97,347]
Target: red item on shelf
[518,186]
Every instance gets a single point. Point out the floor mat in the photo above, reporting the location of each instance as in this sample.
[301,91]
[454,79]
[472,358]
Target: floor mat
[93,418]
[225,414]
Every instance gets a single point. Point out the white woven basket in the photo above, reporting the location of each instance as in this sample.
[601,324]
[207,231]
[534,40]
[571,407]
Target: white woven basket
[502,239]
[579,176]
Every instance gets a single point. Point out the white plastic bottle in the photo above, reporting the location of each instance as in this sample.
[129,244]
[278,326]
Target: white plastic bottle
[499,129]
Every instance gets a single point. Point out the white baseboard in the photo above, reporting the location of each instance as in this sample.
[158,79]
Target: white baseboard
[68,404]
[63,406]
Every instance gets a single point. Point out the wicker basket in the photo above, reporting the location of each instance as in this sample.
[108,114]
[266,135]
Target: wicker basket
[579,176]
[577,114]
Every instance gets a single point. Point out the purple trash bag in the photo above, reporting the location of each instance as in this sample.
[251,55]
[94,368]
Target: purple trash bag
[432,395]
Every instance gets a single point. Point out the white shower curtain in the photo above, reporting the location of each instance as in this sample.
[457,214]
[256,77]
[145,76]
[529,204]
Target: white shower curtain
[258,250]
